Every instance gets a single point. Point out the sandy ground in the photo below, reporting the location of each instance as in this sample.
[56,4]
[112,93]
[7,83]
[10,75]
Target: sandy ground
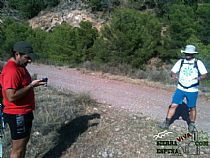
[151,101]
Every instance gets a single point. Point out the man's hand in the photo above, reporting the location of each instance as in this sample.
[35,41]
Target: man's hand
[202,77]
[36,83]
[174,76]
[13,94]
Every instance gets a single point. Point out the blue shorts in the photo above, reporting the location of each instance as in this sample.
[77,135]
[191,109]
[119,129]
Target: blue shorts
[179,96]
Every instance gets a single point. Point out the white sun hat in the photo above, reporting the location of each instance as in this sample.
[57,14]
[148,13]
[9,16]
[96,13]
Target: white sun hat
[190,49]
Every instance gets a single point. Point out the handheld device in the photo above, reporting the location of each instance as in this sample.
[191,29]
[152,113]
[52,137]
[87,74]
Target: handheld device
[44,80]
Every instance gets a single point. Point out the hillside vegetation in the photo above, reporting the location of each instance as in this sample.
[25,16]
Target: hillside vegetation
[135,32]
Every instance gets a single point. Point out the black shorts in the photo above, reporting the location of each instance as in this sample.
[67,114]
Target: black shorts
[20,125]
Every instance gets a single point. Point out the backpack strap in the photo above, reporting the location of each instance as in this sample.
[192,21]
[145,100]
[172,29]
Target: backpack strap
[182,62]
[196,66]
[193,85]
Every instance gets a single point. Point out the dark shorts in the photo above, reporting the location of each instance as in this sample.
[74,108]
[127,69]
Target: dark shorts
[20,125]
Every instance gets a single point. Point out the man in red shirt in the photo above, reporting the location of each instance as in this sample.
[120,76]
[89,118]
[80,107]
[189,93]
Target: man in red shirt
[18,97]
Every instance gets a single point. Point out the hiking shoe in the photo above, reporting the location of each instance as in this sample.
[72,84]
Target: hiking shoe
[191,128]
[164,125]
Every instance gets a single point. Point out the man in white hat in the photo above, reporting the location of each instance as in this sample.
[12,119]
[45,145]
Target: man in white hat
[188,72]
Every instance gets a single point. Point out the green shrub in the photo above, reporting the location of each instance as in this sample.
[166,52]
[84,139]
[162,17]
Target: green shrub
[37,39]
[85,38]
[131,37]
[13,32]
[30,8]
[106,5]
[70,45]
[203,14]
[182,25]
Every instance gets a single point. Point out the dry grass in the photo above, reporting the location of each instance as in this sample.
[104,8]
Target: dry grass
[153,72]
[54,109]
[133,80]
[121,134]
[75,126]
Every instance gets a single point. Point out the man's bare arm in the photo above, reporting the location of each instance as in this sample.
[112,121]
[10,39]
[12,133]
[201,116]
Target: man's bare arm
[202,77]
[174,76]
[14,95]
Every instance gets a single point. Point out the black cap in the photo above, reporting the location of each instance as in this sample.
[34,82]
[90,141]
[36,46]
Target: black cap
[24,47]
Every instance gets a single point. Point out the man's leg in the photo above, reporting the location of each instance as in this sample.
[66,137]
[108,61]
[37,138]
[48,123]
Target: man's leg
[171,111]
[193,114]
[19,148]
[170,114]
[192,99]
[191,126]
[176,100]
[20,133]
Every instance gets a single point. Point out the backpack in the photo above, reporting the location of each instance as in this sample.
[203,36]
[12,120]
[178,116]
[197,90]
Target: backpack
[195,66]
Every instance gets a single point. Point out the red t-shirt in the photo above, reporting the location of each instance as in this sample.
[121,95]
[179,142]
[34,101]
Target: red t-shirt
[16,77]
[0,79]
[0,90]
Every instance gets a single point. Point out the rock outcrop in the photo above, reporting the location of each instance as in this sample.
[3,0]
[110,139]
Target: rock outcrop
[70,12]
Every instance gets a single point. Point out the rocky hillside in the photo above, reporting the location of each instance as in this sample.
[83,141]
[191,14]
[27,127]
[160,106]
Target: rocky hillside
[71,12]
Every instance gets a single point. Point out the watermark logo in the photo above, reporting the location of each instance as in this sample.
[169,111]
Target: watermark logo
[187,143]
[162,134]
[183,137]
[201,139]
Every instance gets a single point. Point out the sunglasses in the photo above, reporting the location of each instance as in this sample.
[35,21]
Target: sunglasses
[188,54]
[25,56]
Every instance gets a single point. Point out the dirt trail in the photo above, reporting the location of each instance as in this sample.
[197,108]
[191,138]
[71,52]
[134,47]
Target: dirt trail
[152,102]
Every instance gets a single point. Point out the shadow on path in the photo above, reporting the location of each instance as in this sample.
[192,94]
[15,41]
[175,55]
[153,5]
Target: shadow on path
[68,134]
[181,111]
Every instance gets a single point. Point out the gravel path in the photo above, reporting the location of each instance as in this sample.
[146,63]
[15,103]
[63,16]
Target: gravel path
[150,101]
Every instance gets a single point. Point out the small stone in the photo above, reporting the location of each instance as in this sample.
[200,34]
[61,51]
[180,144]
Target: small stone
[66,122]
[110,155]
[144,137]
[138,152]
[119,152]
[178,129]
[104,154]
[117,129]
[148,118]
[36,133]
